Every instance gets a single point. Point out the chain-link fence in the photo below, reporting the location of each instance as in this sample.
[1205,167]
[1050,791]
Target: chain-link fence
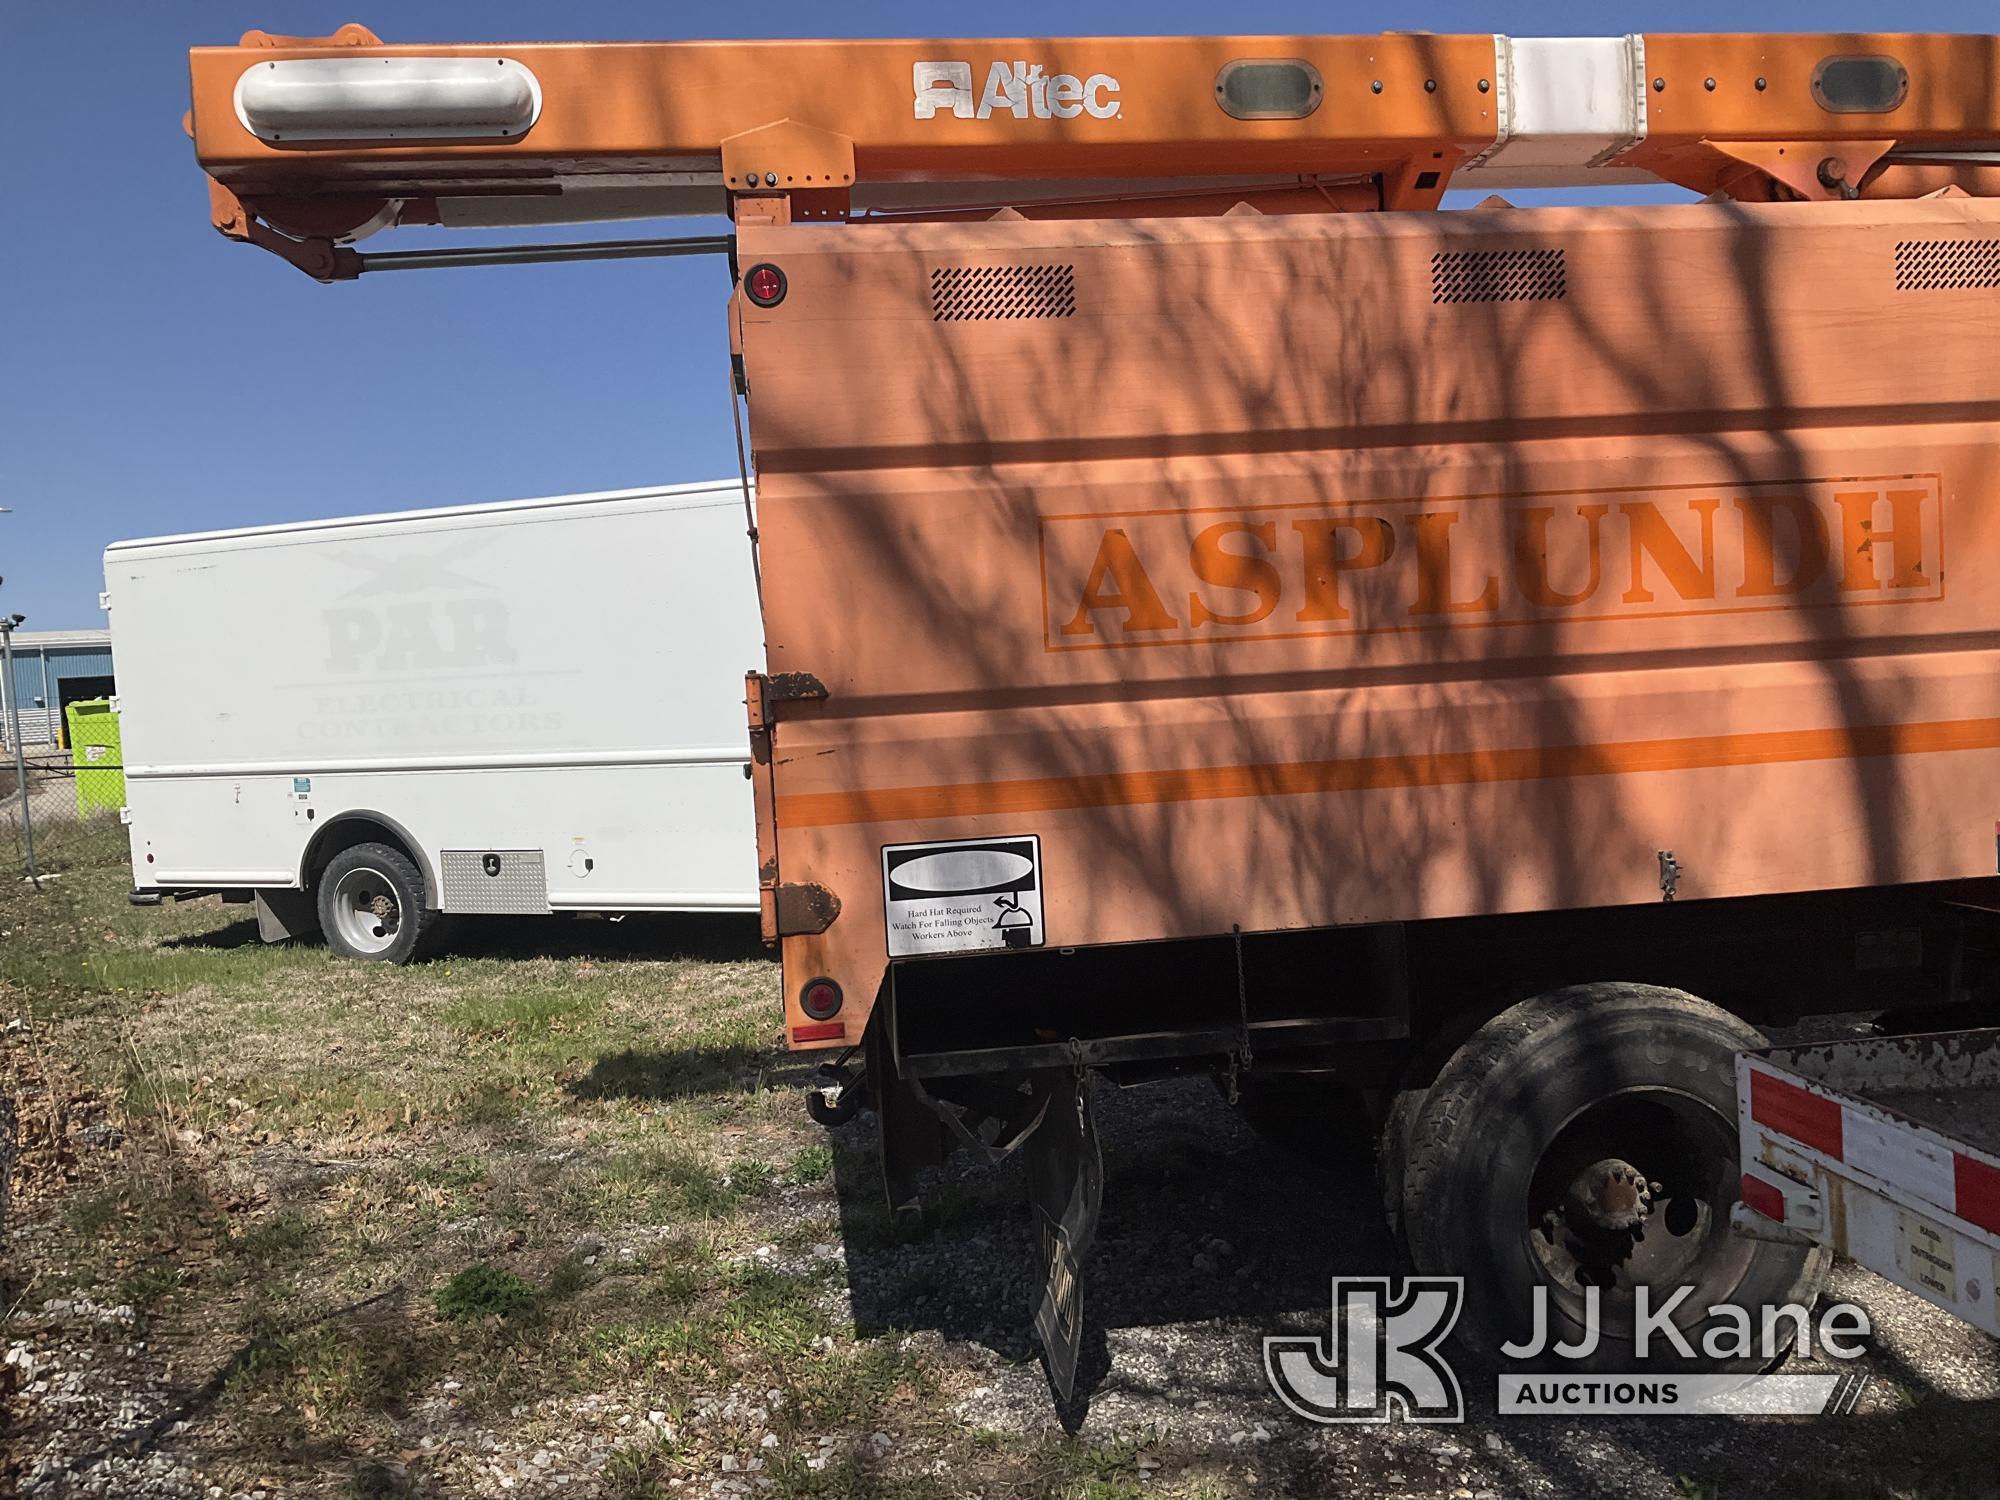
[71,809]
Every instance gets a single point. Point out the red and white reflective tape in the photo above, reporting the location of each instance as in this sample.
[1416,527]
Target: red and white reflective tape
[1764,1196]
[1914,1160]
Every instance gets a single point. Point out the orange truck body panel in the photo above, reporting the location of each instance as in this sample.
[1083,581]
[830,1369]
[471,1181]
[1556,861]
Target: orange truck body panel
[1314,568]
[1282,572]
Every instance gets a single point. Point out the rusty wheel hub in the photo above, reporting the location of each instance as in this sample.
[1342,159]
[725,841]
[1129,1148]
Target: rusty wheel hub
[1611,1194]
[1625,1196]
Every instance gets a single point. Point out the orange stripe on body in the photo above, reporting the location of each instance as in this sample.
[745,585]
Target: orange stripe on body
[1378,772]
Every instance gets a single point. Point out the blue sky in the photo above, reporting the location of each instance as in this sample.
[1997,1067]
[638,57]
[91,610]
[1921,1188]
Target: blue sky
[154,378]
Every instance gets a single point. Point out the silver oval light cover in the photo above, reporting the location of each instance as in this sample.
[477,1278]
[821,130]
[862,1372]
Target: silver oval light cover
[388,98]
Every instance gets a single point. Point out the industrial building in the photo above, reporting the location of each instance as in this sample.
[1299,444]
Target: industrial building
[53,669]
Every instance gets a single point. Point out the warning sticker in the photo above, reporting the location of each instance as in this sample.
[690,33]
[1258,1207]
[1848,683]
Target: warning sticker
[956,895]
[1926,1254]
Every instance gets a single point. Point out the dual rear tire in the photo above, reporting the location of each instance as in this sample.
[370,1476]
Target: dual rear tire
[1585,1139]
[1580,1143]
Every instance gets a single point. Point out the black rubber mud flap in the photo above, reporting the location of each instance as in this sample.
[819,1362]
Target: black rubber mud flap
[1065,1191]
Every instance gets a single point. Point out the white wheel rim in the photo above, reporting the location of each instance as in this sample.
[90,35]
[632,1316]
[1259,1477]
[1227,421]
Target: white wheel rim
[367,912]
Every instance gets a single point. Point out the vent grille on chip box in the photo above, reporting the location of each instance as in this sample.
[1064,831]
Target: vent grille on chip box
[961,294]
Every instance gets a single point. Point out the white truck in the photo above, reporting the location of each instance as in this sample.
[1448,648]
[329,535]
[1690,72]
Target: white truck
[366,723]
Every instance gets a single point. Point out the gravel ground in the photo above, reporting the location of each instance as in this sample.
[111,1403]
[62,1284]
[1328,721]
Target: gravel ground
[1210,1241]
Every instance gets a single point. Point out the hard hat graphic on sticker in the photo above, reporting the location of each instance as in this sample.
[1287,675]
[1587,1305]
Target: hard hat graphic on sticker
[954,896]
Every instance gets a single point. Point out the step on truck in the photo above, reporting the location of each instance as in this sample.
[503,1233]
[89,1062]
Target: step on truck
[1460,666]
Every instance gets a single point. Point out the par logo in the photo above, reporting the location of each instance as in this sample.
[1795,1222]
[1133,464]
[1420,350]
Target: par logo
[410,611]
[1379,1358]
[1024,90]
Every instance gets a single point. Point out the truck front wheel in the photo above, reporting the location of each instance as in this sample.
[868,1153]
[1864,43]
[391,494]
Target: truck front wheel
[371,904]
[1587,1139]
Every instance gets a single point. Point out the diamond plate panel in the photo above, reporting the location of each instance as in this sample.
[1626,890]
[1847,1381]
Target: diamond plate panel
[494,882]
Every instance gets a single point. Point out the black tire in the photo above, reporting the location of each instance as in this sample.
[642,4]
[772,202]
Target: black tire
[1397,1108]
[1512,1178]
[371,905]
[1392,1156]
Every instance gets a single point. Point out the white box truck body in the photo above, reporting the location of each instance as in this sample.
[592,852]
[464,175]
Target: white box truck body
[537,705]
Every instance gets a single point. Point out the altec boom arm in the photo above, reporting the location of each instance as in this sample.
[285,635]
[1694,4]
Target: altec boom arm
[312,142]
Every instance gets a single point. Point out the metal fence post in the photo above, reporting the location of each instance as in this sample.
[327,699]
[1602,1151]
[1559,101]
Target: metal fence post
[7,624]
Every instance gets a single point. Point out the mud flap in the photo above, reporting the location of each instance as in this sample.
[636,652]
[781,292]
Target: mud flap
[1065,1192]
[283,914]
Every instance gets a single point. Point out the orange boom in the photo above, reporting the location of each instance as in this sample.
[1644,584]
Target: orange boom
[1219,617]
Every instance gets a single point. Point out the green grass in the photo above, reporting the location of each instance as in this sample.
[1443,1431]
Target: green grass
[545,1173]
[1101,1469]
[483,1291]
[495,1014]
[659,1183]
[814,1164]
[751,1179]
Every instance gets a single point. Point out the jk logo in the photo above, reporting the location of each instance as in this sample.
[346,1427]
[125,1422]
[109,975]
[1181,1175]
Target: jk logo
[1380,1357]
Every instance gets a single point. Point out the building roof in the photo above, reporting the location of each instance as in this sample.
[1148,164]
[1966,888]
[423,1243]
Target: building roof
[56,640]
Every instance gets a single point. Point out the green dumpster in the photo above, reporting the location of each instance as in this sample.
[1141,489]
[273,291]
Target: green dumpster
[100,761]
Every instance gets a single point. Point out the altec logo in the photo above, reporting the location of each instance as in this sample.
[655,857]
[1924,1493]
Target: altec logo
[1355,568]
[1024,90]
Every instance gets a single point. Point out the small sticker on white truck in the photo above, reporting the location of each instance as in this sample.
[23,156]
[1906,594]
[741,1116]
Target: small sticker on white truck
[960,895]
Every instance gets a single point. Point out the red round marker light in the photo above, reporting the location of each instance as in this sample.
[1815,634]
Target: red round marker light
[766,284]
[820,999]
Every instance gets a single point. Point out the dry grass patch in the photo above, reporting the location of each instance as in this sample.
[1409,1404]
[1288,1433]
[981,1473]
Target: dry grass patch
[520,1192]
